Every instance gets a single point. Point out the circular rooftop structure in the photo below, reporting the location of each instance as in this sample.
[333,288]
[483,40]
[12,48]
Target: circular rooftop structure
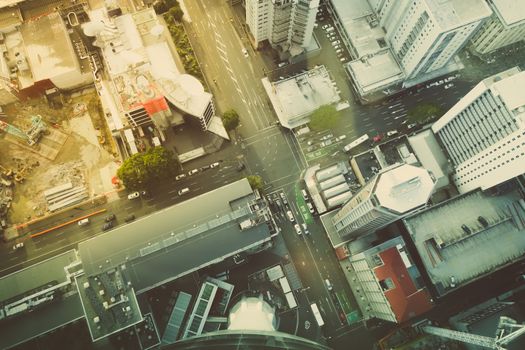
[252,313]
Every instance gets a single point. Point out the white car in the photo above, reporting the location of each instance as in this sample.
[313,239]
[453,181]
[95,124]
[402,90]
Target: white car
[337,42]
[327,136]
[340,138]
[180,177]
[194,171]
[290,216]
[214,165]
[342,59]
[311,208]
[298,229]
[391,133]
[410,126]
[134,195]
[83,222]
[448,86]
[18,246]
[245,52]
[305,229]
[326,26]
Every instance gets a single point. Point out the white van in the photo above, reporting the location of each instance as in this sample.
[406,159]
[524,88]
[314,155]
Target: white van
[183,191]
[83,222]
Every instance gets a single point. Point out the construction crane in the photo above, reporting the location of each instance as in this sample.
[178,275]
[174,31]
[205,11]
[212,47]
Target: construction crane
[508,330]
[32,135]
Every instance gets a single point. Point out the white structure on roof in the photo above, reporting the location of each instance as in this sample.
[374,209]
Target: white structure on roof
[506,26]
[395,192]
[484,133]
[286,24]
[424,35]
[295,98]
[252,313]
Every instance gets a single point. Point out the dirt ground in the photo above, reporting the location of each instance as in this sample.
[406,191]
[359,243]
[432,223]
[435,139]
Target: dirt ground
[81,160]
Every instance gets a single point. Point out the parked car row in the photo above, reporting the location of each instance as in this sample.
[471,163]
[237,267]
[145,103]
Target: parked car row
[197,170]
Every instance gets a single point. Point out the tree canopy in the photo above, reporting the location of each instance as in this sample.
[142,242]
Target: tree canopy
[424,113]
[230,119]
[143,169]
[256,182]
[324,117]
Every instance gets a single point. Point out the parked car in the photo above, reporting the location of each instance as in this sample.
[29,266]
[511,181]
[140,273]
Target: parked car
[305,194]
[340,138]
[214,165]
[410,126]
[343,59]
[290,216]
[339,51]
[245,52]
[129,218]
[336,42]
[110,218]
[183,191]
[282,64]
[392,133]
[327,136]
[107,226]
[377,138]
[298,229]
[326,143]
[134,195]
[448,86]
[180,177]
[325,26]
[193,171]
[337,47]
[83,222]
[311,208]
[305,229]
[18,246]
[283,197]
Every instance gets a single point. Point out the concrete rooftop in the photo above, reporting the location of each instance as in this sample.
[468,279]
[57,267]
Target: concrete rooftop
[511,11]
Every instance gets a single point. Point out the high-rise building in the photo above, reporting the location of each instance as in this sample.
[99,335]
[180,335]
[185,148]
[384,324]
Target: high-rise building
[484,133]
[425,35]
[394,193]
[286,24]
[506,26]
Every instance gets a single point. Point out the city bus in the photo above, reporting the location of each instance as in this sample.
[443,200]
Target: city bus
[356,143]
[317,314]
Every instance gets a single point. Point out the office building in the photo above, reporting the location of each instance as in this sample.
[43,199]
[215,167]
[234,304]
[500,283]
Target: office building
[389,282]
[484,133]
[286,24]
[506,26]
[468,237]
[425,35]
[393,193]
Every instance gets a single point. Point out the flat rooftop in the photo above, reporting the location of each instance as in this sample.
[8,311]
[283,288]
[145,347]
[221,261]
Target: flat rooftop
[355,17]
[451,13]
[511,11]
[376,72]
[293,99]
[179,239]
[448,250]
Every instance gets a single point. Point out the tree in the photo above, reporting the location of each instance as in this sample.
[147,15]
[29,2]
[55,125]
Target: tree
[144,169]
[424,113]
[176,13]
[324,117]
[256,182]
[230,119]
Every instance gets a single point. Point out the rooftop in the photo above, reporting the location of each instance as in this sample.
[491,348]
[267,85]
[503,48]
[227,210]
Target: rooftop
[179,239]
[468,237]
[450,14]
[511,11]
[293,99]
[375,72]
[404,188]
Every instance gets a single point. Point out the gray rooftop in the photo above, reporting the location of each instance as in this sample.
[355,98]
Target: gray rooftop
[448,250]
[511,11]
[178,239]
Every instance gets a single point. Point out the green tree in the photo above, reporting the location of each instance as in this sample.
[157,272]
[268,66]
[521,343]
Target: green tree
[324,117]
[256,182]
[230,119]
[144,169]
[424,113]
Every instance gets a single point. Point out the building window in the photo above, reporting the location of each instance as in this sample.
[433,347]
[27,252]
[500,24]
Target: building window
[386,284]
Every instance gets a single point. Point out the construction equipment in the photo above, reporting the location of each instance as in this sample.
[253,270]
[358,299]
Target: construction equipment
[508,330]
[32,135]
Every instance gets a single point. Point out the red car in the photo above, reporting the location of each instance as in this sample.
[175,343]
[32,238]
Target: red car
[377,138]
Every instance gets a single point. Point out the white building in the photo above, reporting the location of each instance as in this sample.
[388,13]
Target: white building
[505,27]
[394,193]
[484,133]
[286,24]
[425,35]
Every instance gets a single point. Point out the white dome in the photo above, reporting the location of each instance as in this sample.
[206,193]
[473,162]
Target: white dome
[252,314]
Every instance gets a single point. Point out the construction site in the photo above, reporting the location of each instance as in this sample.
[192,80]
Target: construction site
[54,153]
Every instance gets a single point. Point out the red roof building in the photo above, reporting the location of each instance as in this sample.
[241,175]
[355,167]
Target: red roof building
[391,283]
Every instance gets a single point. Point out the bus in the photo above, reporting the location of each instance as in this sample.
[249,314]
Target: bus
[317,314]
[356,143]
